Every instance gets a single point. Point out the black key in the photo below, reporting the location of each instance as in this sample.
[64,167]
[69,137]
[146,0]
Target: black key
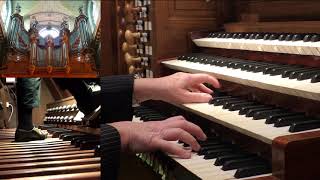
[279,70]
[220,102]
[315,38]
[142,112]
[273,37]
[252,36]
[77,139]
[204,150]
[210,138]
[286,121]
[307,75]
[282,37]
[258,36]
[251,112]
[286,73]
[266,113]
[66,134]
[222,159]
[212,154]
[234,36]
[152,117]
[297,37]
[218,35]
[307,38]
[227,104]
[252,171]
[216,93]
[240,36]
[295,74]
[70,137]
[218,97]
[304,125]
[274,66]
[239,163]
[209,143]
[266,36]
[238,106]
[315,78]
[272,118]
[229,35]
[259,67]
[97,151]
[235,64]
[246,36]
[80,140]
[252,66]
[289,37]
[89,144]
[245,109]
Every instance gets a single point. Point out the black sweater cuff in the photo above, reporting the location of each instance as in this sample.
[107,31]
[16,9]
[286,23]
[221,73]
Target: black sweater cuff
[116,94]
[110,152]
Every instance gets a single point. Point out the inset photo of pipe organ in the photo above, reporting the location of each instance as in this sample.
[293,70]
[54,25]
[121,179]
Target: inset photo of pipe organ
[50,38]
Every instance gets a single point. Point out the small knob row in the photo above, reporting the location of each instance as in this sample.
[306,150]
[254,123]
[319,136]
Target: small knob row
[64,108]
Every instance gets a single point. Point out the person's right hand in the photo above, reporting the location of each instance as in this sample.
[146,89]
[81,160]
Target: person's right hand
[158,135]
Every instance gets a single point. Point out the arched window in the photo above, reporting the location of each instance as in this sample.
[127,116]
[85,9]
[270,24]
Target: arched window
[53,32]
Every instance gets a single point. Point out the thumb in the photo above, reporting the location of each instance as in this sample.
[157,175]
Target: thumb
[197,97]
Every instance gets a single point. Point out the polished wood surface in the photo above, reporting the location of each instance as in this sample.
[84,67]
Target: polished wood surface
[296,156]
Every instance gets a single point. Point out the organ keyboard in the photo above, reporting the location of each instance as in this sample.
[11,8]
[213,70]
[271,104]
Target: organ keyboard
[217,159]
[301,44]
[65,154]
[288,79]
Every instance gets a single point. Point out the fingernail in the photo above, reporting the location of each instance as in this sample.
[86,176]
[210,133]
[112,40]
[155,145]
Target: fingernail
[205,137]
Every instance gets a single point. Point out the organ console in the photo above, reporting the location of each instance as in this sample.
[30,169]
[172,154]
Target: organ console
[263,123]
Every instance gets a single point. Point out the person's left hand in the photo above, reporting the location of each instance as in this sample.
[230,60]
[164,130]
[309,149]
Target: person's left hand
[177,88]
[158,135]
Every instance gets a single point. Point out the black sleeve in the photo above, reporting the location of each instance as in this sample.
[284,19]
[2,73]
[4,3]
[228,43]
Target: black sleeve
[116,105]
[116,98]
[110,152]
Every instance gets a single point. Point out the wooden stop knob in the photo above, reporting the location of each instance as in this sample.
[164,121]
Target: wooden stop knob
[129,8]
[126,47]
[132,69]
[130,36]
[130,60]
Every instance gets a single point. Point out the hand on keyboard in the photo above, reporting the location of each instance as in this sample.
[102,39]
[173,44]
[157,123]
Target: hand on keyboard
[178,88]
[158,135]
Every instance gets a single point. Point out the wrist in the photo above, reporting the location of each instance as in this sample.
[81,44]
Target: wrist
[123,128]
[144,89]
